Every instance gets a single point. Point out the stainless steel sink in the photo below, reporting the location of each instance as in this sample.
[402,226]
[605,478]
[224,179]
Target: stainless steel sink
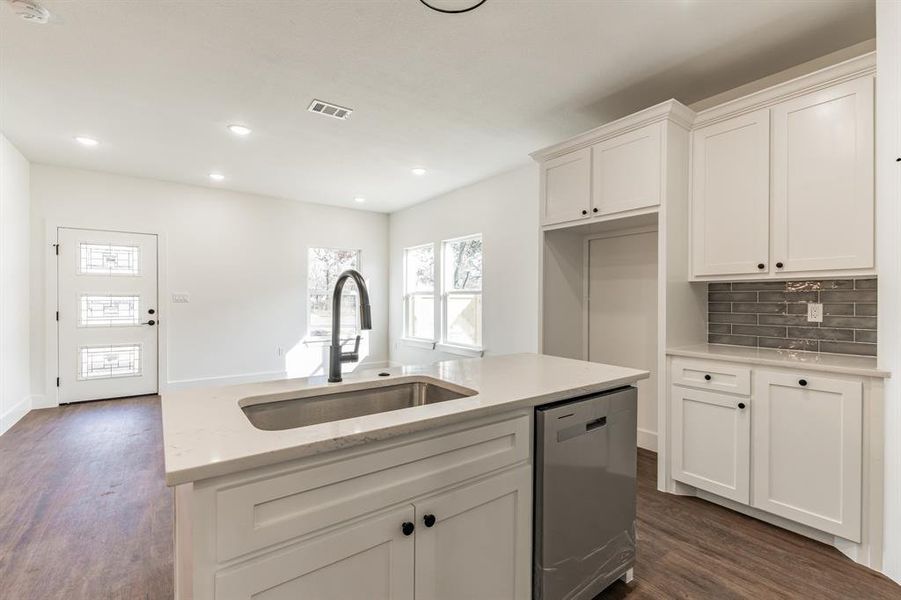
[335,406]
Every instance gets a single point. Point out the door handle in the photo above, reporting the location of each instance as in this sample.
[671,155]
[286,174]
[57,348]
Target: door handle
[151,322]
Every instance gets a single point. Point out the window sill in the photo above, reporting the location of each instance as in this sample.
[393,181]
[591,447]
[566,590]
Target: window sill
[461,350]
[424,344]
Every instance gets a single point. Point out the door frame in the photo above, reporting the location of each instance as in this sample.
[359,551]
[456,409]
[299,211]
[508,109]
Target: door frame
[51,302]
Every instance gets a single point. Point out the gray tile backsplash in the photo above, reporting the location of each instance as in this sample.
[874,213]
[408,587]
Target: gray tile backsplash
[773,314]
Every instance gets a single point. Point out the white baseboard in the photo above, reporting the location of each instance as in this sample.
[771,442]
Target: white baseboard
[12,416]
[647,439]
[184,384]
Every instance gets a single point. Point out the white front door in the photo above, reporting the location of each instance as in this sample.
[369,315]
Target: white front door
[108,317]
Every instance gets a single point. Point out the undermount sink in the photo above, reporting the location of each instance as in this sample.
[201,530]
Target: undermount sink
[337,405]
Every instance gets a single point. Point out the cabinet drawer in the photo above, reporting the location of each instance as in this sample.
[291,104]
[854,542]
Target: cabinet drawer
[712,375]
[258,513]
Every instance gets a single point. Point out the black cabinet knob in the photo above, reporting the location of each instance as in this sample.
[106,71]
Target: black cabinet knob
[584,212]
[151,312]
[429,520]
[778,265]
[761,266]
[802,382]
[594,210]
[741,405]
[151,322]
[407,528]
[708,377]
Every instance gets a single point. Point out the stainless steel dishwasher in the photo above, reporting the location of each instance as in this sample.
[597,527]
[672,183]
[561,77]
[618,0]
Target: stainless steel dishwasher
[585,462]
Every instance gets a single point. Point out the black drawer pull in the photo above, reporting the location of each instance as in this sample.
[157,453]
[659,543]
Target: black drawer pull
[708,377]
[802,382]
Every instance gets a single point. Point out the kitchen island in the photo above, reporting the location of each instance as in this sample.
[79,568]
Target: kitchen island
[430,501]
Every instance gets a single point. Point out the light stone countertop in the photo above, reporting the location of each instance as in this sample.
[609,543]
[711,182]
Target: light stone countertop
[864,366]
[206,434]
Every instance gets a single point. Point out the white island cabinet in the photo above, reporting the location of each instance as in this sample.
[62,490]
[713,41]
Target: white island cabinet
[428,502]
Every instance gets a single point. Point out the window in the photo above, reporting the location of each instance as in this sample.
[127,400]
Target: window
[419,292]
[462,286]
[325,264]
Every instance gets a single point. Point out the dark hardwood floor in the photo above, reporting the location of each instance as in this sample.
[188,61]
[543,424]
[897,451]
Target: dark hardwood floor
[85,514]
[84,511]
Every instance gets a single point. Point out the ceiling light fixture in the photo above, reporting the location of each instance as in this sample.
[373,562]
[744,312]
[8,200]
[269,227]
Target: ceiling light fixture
[433,4]
[359,199]
[239,129]
[30,11]
[86,141]
[418,171]
[217,176]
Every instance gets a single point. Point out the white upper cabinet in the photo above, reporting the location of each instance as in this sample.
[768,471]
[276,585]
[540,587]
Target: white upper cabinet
[566,187]
[730,196]
[823,179]
[786,189]
[626,171]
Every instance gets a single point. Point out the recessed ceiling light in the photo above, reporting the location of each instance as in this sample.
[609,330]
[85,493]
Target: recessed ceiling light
[418,171]
[360,199]
[217,176]
[86,141]
[239,129]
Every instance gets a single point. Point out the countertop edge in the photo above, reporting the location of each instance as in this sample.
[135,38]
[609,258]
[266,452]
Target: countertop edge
[256,461]
[691,352]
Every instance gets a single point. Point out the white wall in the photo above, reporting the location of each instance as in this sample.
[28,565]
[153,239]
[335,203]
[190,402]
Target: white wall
[242,258]
[15,398]
[504,209]
[888,234]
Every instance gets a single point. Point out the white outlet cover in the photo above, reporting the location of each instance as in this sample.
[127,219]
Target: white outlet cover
[181,298]
[814,312]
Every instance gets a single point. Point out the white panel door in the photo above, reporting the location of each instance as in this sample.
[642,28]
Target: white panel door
[622,312]
[730,196]
[712,442]
[372,560]
[479,543]
[626,171]
[108,315]
[823,199]
[566,187]
[808,450]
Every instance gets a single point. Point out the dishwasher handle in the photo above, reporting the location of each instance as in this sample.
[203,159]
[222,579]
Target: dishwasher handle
[580,429]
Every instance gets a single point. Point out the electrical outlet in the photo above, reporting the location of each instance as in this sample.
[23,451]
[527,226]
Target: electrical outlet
[181,298]
[279,351]
[814,312]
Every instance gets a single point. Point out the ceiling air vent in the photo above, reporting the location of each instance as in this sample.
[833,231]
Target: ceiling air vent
[329,110]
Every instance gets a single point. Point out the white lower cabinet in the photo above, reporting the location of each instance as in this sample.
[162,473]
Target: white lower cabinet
[372,559]
[478,545]
[794,447]
[711,442]
[808,450]
[441,514]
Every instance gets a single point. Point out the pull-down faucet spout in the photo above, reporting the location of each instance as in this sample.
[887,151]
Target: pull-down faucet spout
[336,356]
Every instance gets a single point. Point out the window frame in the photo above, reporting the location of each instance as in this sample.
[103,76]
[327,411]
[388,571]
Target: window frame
[443,342]
[352,291]
[407,335]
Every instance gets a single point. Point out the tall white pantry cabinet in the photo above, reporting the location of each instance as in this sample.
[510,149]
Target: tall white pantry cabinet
[774,185]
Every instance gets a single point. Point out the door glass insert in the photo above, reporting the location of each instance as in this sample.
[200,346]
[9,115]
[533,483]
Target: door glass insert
[108,259]
[107,362]
[108,311]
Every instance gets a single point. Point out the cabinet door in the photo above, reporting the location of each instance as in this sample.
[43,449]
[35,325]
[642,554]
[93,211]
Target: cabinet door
[823,179]
[626,171]
[566,183]
[807,450]
[480,544]
[711,442]
[372,559]
[730,196]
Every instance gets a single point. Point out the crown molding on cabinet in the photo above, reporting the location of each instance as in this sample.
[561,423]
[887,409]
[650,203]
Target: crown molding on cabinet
[672,110]
[860,66]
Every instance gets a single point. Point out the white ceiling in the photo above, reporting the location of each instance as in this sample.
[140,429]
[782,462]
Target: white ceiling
[465,96]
